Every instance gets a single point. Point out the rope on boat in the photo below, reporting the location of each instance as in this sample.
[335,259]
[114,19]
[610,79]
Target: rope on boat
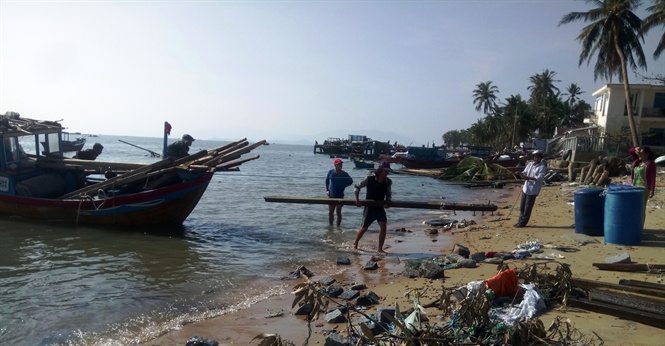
[100,193]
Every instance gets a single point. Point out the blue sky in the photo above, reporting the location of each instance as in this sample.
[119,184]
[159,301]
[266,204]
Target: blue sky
[281,70]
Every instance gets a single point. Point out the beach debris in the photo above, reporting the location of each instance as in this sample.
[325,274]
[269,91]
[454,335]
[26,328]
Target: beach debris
[201,341]
[336,339]
[298,273]
[431,231]
[336,316]
[327,280]
[368,299]
[304,309]
[631,267]
[348,294]
[461,250]
[371,265]
[580,239]
[269,340]
[530,304]
[359,287]
[334,290]
[278,313]
[478,315]
[478,256]
[343,261]
[427,268]
[620,258]
[440,222]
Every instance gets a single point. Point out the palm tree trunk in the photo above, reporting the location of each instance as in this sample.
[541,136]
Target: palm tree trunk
[626,90]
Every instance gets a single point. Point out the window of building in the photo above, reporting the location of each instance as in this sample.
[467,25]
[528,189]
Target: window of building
[659,101]
[655,137]
[633,103]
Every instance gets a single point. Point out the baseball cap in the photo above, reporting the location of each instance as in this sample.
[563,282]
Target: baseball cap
[187,137]
[385,165]
[537,152]
[338,162]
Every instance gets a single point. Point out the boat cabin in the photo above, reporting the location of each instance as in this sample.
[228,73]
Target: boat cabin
[24,141]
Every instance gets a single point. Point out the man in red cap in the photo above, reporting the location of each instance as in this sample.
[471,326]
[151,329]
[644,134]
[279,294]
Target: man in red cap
[336,181]
[379,188]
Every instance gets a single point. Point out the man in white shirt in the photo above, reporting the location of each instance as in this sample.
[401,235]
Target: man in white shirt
[534,176]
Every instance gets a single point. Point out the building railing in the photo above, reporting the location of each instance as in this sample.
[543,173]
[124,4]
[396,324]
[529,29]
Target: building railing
[583,143]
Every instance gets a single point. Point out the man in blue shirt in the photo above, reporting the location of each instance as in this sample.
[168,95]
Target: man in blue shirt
[336,181]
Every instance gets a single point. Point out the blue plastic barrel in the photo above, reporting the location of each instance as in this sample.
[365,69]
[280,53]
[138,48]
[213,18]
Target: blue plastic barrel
[624,216]
[589,211]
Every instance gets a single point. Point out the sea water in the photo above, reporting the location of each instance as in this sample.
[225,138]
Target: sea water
[78,285]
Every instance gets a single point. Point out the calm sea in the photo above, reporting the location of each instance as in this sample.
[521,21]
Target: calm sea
[66,285]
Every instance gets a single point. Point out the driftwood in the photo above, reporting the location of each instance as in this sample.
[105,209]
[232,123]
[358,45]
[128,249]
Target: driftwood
[631,301]
[656,320]
[629,267]
[391,204]
[590,284]
[644,284]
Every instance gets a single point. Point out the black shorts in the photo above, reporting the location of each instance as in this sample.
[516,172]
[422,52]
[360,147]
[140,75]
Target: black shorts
[371,214]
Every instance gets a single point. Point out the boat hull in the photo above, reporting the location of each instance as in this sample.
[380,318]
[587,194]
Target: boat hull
[425,164]
[167,206]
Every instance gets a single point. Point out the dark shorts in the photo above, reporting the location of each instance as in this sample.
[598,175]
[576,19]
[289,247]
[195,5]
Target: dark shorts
[371,214]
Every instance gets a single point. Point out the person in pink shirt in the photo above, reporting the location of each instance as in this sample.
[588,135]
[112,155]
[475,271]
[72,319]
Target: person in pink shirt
[643,171]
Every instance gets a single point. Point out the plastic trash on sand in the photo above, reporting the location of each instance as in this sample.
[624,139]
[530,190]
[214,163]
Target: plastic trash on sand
[529,306]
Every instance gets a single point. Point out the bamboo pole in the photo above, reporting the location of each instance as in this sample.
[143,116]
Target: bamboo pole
[225,166]
[140,173]
[392,204]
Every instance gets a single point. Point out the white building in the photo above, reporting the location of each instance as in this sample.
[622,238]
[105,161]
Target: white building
[648,103]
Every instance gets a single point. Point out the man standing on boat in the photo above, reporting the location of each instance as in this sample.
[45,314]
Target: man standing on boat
[336,181]
[90,154]
[379,188]
[180,148]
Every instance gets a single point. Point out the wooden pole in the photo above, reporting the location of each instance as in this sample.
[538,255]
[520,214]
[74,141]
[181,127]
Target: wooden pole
[391,204]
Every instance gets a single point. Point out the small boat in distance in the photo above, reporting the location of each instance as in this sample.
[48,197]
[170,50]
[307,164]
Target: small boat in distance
[360,163]
[68,145]
[43,185]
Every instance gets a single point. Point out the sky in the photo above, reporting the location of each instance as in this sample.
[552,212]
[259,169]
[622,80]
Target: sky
[282,70]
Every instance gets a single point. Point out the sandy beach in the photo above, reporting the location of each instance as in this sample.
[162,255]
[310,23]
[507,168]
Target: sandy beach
[552,218]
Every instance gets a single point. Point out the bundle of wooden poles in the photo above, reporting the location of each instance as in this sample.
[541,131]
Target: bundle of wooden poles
[224,158]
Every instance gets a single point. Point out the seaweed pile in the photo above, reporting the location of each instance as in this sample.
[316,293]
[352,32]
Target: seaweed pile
[476,169]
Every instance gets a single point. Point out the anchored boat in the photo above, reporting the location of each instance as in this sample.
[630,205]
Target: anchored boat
[43,185]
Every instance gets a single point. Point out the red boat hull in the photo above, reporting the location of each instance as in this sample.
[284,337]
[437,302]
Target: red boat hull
[167,206]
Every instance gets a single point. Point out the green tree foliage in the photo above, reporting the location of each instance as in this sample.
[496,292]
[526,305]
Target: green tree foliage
[614,37]
[653,21]
[484,97]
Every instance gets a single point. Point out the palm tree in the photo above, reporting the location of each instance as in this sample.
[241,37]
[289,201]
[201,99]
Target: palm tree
[515,107]
[542,91]
[484,97]
[655,19]
[614,35]
[573,91]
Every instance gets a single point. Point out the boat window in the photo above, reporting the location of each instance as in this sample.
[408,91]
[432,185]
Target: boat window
[10,150]
[51,143]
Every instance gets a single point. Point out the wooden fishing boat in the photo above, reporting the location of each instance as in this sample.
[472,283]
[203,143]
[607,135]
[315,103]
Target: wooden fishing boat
[428,157]
[68,145]
[43,185]
[363,164]
[413,162]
